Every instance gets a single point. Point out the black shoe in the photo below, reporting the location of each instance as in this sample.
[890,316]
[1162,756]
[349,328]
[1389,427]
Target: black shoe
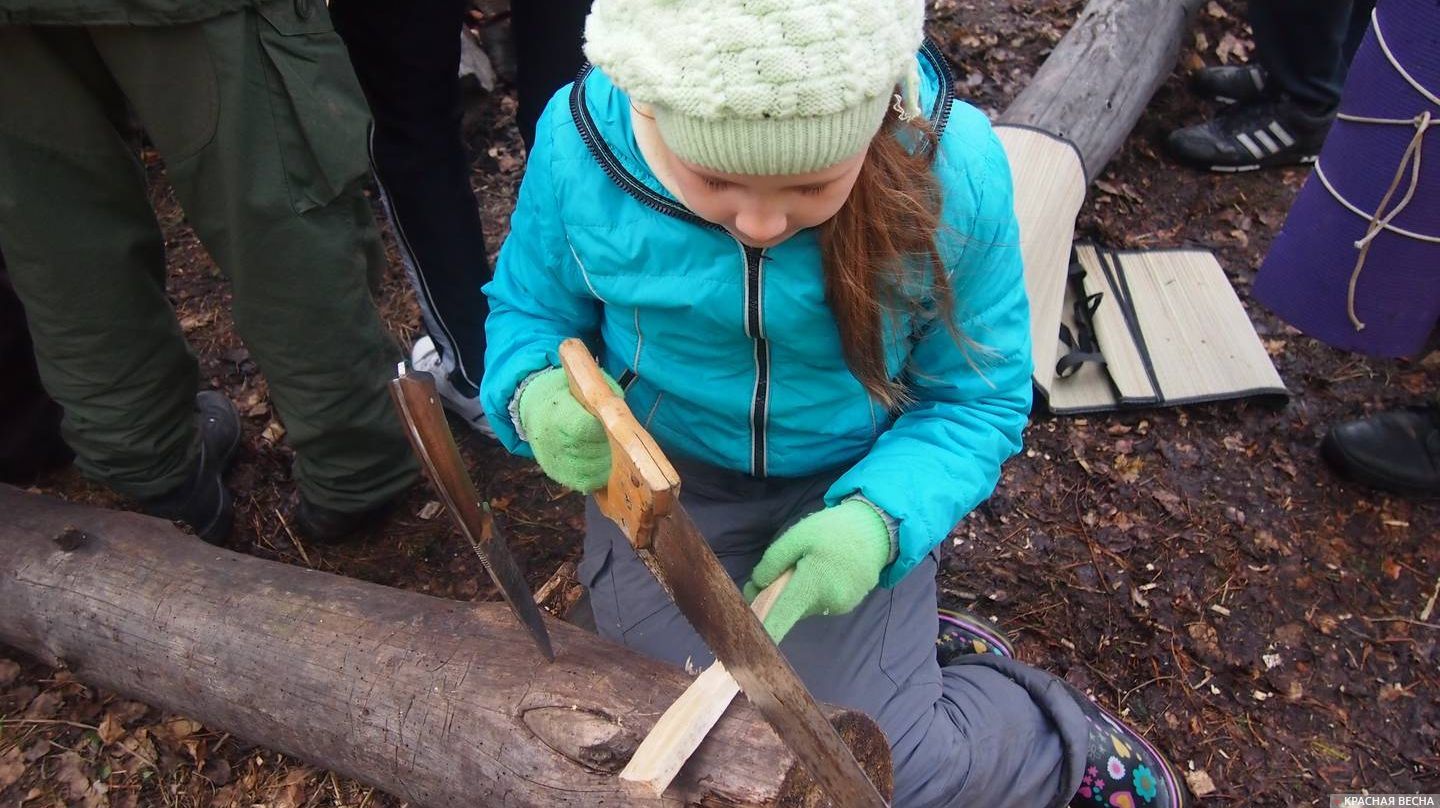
[1231,84]
[1251,136]
[202,501]
[1395,451]
[1121,767]
[328,525]
[963,632]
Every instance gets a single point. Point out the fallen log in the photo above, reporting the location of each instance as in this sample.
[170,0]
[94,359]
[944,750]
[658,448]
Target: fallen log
[439,702]
[1094,85]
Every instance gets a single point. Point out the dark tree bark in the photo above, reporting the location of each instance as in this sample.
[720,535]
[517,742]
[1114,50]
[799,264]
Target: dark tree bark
[438,702]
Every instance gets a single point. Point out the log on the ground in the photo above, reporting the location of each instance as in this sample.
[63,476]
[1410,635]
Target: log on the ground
[1094,85]
[439,702]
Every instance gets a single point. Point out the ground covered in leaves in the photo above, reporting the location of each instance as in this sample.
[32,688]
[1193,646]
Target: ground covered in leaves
[1198,569]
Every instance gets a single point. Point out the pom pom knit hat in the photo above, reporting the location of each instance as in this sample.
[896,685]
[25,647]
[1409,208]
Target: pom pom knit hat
[761,86]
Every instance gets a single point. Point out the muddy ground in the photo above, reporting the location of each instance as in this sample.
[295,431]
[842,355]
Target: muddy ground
[1197,569]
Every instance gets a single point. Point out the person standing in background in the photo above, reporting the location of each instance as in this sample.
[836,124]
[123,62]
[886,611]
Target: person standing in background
[1357,264]
[1279,109]
[407,57]
[255,110]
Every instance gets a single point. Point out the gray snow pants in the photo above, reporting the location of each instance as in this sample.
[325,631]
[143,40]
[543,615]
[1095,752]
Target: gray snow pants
[983,731]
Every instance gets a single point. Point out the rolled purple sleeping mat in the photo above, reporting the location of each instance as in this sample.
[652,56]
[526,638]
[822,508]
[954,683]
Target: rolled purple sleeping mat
[1357,264]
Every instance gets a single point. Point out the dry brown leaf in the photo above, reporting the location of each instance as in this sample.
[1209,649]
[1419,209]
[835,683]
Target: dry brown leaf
[180,728]
[254,404]
[1391,569]
[190,322]
[71,775]
[44,705]
[1205,637]
[291,790]
[110,730]
[11,767]
[1233,47]
[1200,783]
[1128,467]
[1391,692]
[288,797]
[141,746]
[273,432]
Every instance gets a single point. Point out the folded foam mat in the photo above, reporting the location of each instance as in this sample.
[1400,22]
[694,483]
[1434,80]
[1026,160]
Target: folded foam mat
[1049,190]
[1111,329]
[1151,328]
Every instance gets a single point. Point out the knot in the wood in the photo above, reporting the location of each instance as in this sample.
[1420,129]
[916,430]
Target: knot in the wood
[71,538]
[592,739]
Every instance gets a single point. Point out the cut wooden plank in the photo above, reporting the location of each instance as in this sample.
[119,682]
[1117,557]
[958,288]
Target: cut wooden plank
[683,727]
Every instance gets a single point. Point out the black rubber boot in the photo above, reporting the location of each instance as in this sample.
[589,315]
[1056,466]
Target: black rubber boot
[202,501]
[329,526]
[1396,451]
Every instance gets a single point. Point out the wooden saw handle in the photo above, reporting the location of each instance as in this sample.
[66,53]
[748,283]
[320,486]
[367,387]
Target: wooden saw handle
[643,485]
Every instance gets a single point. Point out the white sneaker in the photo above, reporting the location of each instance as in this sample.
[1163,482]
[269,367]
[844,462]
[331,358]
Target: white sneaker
[424,357]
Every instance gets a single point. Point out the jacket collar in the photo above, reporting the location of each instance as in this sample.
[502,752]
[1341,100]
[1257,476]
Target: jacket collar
[601,113]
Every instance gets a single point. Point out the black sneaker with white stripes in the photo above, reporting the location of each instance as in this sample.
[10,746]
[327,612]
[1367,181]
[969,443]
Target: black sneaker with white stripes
[1245,137]
[1232,84]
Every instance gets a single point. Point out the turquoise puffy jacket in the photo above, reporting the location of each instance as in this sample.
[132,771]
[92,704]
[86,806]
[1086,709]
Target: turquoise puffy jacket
[730,355]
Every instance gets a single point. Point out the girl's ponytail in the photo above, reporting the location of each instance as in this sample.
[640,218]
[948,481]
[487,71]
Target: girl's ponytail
[879,252]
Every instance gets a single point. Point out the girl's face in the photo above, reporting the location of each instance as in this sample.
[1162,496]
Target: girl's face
[762,211]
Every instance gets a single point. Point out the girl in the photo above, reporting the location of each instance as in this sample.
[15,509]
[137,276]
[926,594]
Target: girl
[797,256]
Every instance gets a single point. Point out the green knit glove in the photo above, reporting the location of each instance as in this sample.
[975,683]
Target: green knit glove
[569,443]
[837,554]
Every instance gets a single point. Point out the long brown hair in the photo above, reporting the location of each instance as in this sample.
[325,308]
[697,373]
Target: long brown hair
[879,252]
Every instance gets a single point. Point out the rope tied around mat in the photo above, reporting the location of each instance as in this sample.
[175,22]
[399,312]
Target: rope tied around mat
[1380,220]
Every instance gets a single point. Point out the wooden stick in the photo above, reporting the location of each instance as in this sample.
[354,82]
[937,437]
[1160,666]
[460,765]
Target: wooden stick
[689,719]
[563,578]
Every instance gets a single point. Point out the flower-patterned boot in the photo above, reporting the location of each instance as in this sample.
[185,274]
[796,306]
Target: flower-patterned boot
[963,632]
[1122,769]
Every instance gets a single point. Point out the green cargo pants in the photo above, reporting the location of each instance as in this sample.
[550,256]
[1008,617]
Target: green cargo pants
[262,127]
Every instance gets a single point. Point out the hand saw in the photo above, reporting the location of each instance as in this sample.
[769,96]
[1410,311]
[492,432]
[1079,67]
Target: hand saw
[642,497]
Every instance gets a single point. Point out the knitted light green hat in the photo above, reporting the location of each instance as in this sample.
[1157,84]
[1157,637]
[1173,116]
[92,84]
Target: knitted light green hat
[761,86]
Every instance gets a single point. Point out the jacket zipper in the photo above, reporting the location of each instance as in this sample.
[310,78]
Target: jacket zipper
[616,172]
[755,329]
[754,258]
